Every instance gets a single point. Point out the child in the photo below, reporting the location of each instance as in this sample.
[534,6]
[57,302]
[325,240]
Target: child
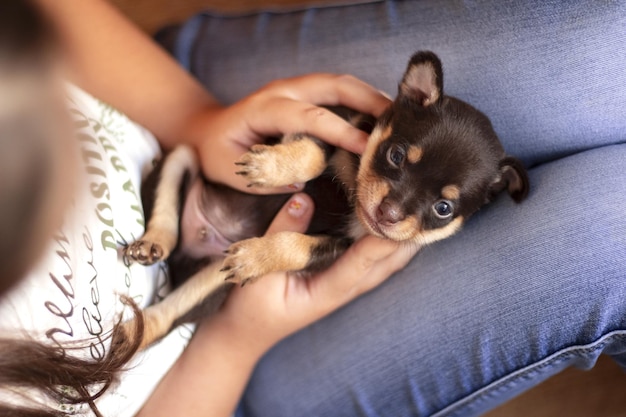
[70,201]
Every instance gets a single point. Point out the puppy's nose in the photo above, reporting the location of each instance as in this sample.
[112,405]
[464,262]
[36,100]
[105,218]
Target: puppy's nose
[389,213]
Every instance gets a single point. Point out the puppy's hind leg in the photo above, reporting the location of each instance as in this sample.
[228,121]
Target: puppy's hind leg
[160,318]
[161,233]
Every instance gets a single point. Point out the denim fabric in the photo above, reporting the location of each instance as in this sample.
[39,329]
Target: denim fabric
[523,291]
[550,74]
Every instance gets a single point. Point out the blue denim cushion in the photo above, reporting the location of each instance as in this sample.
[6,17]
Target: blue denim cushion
[550,74]
[523,291]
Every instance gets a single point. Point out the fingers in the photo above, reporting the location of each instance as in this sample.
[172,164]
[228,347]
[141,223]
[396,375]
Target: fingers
[283,107]
[294,216]
[364,266]
[298,116]
[297,100]
[333,90]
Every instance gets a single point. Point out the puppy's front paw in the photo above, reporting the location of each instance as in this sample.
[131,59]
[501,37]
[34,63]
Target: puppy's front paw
[264,166]
[144,252]
[246,261]
[250,259]
[298,159]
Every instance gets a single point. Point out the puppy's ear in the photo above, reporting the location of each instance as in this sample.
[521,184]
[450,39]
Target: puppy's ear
[513,178]
[423,79]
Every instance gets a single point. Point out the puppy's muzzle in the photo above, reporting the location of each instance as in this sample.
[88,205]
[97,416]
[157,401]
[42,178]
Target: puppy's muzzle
[389,213]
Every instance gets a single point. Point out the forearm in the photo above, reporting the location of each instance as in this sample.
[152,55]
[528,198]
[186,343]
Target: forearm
[114,61]
[209,378]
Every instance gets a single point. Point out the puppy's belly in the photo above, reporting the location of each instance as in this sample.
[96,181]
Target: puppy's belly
[199,237]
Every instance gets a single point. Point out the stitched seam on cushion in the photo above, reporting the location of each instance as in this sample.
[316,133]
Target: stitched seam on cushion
[460,407]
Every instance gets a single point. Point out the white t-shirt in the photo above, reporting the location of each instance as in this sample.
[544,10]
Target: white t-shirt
[73,294]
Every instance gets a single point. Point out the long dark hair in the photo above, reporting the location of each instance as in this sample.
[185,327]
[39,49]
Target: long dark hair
[28,367]
[50,370]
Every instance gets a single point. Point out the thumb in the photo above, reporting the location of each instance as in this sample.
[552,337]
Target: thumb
[294,216]
[365,265]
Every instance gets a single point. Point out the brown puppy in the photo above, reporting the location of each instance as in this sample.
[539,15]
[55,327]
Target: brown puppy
[431,162]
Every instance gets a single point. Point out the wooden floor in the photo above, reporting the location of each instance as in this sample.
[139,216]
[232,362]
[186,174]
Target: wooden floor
[600,392]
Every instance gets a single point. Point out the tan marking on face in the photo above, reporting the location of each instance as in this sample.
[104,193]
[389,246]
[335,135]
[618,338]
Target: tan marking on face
[429,236]
[385,133]
[451,192]
[371,191]
[403,230]
[415,153]
[410,230]
[370,188]
[379,135]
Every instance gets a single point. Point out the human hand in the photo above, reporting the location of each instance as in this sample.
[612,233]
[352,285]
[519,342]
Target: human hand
[285,106]
[262,313]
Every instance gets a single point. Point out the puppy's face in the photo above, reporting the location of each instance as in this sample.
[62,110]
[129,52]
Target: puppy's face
[431,162]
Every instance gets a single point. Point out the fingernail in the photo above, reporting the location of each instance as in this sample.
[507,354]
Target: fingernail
[295,187]
[297,206]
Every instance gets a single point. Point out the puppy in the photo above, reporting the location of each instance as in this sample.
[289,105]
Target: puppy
[431,161]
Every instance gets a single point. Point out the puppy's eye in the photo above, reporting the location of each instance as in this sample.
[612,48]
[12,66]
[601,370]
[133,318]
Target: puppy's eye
[443,209]
[396,155]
